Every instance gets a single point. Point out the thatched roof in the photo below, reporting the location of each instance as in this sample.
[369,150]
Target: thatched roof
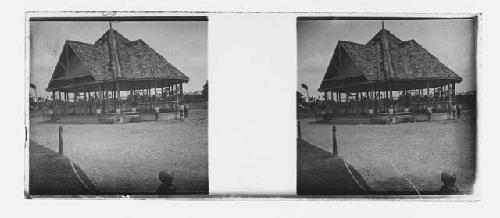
[354,63]
[94,62]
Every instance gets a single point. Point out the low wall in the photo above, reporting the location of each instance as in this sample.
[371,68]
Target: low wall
[161,116]
[197,105]
[434,117]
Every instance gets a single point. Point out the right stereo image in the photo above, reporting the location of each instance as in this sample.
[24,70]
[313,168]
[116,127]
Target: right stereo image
[386,106]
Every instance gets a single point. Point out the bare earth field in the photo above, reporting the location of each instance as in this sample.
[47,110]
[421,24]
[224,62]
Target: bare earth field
[419,151]
[126,158]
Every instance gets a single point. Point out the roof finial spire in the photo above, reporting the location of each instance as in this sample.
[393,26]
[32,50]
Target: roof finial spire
[383,27]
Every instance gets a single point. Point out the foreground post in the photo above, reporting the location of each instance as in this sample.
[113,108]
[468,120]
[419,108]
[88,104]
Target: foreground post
[334,137]
[61,142]
[181,111]
[299,132]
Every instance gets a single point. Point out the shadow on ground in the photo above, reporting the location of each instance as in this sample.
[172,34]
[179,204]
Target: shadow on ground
[321,173]
[52,174]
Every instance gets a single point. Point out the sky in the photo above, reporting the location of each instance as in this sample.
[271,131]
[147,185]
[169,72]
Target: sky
[182,43]
[452,41]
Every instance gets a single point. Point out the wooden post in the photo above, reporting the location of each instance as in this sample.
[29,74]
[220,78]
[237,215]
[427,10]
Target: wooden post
[450,98]
[60,99]
[428,93]
[119,101]
[453,92]
[390,97]
[156,92]
[181,92]
[177,96]
[85,103]
[101,98]
[114,96]
[53,115]
[299,131]
[149,95]
[75,103]
[340,102]
[61,141]
[107,105]
[367,103]
[347,103]
[333,103]
[325,95]
[357,103]
[66,99]
[373,98]
[337,108]
[334,140]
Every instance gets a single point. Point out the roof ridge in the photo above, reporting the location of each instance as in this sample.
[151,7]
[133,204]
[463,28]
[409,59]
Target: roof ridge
[119,38]
[349,42]
[391,38]
[78,42]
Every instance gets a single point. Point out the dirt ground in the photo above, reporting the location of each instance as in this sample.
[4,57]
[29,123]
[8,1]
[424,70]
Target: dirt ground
[419,151]
[126,158]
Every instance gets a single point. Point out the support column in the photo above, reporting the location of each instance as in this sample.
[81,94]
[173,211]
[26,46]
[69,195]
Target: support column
[177,96]
[66,96]
[60,99]
[85,103]
[337,107]
[340,102]
[453,93]
[428,93]
[450,98]
[75,103]
[156,90]
[373,98]
[357,103]
[54,107]
[390,97]
[386,100]
[107,104]
[181,90]
[101,98]
[332,103]
[119,99]
[114,96]
[367,102]
[347,103]
[149,95]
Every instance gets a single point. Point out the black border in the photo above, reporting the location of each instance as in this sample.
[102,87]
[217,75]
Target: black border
[122,18]
[304,18]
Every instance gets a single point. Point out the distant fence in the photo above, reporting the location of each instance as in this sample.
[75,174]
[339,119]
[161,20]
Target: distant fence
[197,105]
[467,100]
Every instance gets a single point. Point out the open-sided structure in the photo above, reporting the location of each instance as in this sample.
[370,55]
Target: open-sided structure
[369,74]
[99,75]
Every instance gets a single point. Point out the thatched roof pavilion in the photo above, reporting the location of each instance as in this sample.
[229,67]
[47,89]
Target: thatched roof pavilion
[114,64]
[83,67]
[386,64]
[406,64]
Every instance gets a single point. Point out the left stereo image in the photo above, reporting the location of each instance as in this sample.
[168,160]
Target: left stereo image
[117,106]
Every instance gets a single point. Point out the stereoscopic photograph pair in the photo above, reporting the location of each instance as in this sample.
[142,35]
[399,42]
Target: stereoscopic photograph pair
[385,106]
